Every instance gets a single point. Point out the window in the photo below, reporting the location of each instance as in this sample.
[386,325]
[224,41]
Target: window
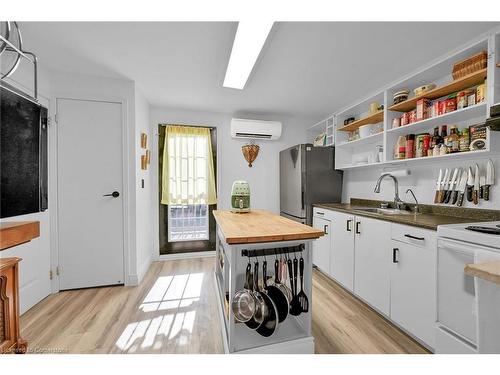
[187,222]
[188,182]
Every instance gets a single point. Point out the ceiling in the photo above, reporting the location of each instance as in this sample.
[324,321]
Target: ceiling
[305,69]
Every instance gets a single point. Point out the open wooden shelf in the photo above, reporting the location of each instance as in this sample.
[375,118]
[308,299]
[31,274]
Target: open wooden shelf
[475,111]
[371,119]
[424,160]
[377,137]
[457,85]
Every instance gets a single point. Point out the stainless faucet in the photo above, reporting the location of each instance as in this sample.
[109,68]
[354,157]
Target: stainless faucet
[397,201]
[415,208]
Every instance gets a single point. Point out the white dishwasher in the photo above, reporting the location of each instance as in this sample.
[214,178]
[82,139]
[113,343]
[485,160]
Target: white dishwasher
[456,330]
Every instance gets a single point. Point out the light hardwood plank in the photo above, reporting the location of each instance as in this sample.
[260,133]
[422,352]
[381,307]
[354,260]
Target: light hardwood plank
[174,311]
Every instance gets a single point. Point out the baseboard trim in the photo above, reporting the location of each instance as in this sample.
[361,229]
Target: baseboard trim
[132,280]
[144,268]
[200,254]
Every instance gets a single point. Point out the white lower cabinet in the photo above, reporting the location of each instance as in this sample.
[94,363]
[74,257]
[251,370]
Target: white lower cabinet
[372,262]
[342,249]
[321,247]
[413,282]
[359,253]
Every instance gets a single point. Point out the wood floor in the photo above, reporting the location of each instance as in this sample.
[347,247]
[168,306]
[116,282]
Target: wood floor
[174,311]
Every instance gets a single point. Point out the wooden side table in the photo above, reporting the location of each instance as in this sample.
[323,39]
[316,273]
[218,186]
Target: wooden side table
[12,234]
[10,338]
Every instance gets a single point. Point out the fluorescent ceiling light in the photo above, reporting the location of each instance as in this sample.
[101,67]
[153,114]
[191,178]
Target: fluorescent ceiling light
[248,42]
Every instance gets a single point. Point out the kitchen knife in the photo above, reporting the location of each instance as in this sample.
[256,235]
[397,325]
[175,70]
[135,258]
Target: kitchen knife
[462,187]
[482,183]
[454,188]
[490,179]
[451,184]
[442,192]
[470,184]
[475,192]
[438,186]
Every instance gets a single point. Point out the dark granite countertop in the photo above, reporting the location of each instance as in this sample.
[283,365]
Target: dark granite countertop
[430,216]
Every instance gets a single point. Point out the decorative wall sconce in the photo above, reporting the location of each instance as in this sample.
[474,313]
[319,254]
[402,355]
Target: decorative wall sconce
[250,153]
[144,140]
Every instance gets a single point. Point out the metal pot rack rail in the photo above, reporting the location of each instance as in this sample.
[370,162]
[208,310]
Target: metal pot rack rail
[273,251]
[7,46]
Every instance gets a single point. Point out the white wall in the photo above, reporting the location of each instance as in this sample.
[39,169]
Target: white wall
[144,196]
[35,265]
[263,177]
[40,255]
[360,183]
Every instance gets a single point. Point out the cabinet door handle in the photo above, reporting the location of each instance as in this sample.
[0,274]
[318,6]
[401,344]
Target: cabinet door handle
[348,225]
[395,255]
[325,229]
[415,238]
[320,213]
[357,227]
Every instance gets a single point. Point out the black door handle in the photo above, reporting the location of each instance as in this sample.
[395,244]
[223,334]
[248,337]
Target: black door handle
[395,253]
[114,194]
[357,227]
[325,229]
[414,238]
[348,225]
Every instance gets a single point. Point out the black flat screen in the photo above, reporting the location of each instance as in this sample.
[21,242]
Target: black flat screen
[23,150]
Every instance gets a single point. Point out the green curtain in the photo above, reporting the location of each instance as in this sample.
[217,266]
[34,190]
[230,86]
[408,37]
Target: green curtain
[188,167]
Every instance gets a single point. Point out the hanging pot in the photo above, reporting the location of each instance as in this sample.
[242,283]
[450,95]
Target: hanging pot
[250,153]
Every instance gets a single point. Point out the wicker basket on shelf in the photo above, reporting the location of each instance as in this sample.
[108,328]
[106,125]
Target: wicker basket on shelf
[470,65]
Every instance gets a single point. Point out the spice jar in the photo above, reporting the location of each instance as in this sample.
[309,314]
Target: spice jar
[461,100]
[453,140]
[400,148]
[471,97]
[412,116]
[450,104]
[436,150]
[463,142]
[426,144]
[405,118]
[481,93]
[410,146]
[396,123]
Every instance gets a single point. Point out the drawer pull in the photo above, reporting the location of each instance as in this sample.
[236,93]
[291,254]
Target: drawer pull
[320,213]
[325,229]
[348,225]
[395,253]
[357,227]
[415,238]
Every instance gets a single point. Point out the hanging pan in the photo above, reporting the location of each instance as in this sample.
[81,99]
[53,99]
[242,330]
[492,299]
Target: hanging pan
[243,304]
[276,293]
[270,323]
[260,305]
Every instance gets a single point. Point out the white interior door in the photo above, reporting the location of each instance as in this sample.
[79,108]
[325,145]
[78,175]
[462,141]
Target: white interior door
[90,224]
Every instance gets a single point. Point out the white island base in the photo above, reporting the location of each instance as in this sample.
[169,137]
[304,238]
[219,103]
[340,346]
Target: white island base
[293,335]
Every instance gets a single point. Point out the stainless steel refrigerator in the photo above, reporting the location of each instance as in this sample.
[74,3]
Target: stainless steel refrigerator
[307,176]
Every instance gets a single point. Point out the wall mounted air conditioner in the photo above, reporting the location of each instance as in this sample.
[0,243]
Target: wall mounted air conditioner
[255,129]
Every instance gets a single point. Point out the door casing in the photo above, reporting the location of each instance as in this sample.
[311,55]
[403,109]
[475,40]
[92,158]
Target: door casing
[129,199]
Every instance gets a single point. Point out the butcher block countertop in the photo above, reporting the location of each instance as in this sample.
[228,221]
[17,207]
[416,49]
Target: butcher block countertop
[261,226]
[489,271]
[13,233]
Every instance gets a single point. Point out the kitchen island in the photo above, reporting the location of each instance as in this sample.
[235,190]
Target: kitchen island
[257,237]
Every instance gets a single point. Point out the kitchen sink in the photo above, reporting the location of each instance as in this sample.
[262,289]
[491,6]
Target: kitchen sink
[384,211]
